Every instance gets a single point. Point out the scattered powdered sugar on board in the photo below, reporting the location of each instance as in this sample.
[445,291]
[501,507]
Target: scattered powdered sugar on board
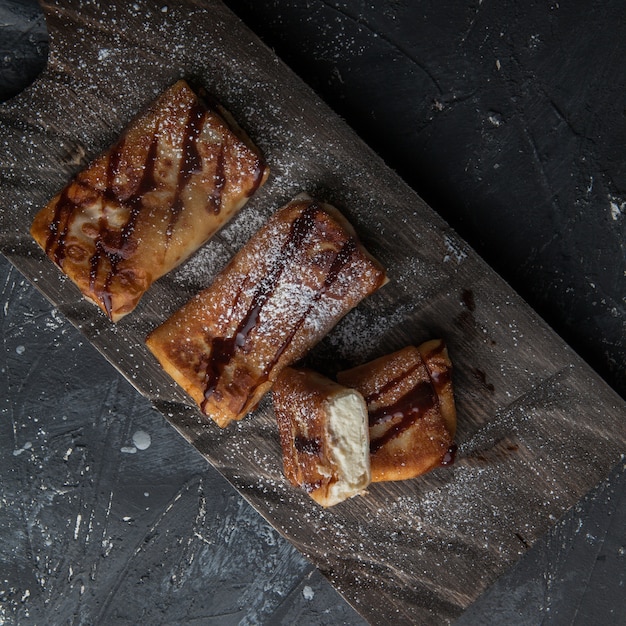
[455,250]
[245,224]
[359,334]
[200,269]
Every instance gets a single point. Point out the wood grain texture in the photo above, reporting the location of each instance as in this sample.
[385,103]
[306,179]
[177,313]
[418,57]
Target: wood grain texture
[537,429]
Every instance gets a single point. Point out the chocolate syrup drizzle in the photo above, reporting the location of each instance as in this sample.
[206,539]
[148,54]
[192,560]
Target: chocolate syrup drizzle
[121,248]
[58,228]
[307,445]
[342,258]
[223,349]
[110,193]
[407,409]
[190,162]
[390,384]
[219,181]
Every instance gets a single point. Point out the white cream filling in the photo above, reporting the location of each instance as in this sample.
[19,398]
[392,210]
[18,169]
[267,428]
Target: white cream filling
[348,435]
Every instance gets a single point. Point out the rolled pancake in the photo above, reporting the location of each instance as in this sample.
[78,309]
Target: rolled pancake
[280,294]
[323,434]
[177,174]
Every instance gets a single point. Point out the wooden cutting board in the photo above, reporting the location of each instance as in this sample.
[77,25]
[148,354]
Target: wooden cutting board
[537,428]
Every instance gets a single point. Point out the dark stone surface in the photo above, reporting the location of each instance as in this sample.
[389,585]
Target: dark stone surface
[98,531]
[511,123]
[23,45]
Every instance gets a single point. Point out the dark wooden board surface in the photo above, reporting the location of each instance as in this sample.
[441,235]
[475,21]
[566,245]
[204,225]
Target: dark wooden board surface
[537,428]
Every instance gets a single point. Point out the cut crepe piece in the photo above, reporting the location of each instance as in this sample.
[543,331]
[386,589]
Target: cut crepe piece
[323,434]
[280,294]
[177,174]
[412,416]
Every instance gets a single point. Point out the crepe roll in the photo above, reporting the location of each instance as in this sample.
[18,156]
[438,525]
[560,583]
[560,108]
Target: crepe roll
[176,175]
[279,295]
[323,434]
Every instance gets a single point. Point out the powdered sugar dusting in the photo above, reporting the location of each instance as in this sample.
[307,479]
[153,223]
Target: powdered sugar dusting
[361,332]
[198,271]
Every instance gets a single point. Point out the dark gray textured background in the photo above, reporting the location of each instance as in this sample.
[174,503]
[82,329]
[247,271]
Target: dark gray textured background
[511,124]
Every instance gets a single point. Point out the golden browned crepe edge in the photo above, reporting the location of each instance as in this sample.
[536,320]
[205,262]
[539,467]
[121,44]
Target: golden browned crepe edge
[437,360]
